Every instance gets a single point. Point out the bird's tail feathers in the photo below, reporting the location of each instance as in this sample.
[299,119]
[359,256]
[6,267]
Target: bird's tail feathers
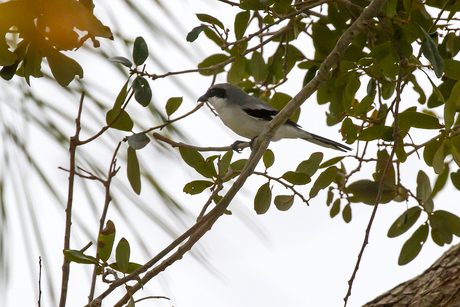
[319,140]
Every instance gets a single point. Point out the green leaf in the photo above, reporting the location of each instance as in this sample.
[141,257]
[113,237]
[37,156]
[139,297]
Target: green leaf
[284,202]
[142,91]
[440,232]
[172,105]
[134,174]
[375,133]
[371,87]
[131,267]
[431,52]
[241,24]
[346,213]
[121,60]
[452,69]
[211,61]
[455,178]
[268,158]
[257,67]
[311,165]
[140,51]
[105,241]
[423,187]
[78,257]
[404,222]
[296,178]
[331,162]
[323,180]
[419,120]
[255,4]
[413,245]
[365,191]
[123,122]
[335,209]
[64,69]
[211,34]
[238,165]
[364,106]
[450,220]
[280,100]
[430,150]
[438,160]
[191,156]
[235,74]
[440,181]
[122,254]
[193,35]
[225,162]
[350,131]
[138,141]
[121,97]
[450,109]
[263,199]
[197,186]
[210,19]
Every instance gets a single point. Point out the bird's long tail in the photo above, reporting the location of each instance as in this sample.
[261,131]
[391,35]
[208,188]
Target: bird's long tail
[319,140]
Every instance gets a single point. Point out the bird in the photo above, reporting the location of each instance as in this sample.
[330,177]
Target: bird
[248,116]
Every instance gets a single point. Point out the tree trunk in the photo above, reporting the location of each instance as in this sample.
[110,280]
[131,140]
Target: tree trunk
[438,286]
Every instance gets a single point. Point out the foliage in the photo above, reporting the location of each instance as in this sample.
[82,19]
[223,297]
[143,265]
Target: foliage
[371,54]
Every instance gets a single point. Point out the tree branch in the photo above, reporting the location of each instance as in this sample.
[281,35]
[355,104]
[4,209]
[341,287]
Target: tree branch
[73,143]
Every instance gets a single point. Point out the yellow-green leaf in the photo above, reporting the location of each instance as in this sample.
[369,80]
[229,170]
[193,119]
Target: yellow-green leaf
[263,199]
[134,175]
[197,186]
[323,180]
[78,257]
[404,222]
[122,254]
[105,241]
[268,158]
[413,245]
[173,104]
[296,178]
[241,23]
[123,122]
[311,165]
[284,202]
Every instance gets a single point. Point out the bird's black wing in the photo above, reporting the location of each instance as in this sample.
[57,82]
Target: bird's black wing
[267,115]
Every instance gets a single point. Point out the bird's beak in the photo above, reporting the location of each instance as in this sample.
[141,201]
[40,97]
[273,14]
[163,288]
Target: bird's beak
[203,98]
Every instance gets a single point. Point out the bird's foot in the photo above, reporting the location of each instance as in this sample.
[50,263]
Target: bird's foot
[235,146]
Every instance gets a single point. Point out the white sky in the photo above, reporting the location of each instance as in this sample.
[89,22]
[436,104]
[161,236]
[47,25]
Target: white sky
[305,258]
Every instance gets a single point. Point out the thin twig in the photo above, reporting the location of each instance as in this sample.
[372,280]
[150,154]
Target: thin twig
[381,184]
[39,280]
[159,137]
[111,173]
[74,140]
[169,122]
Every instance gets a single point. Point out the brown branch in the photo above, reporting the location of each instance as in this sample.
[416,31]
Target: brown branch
[113,170]
[39,281]
[105,128]
[159,137]
[169,122]
[287,186]
[73,143]
[381,183]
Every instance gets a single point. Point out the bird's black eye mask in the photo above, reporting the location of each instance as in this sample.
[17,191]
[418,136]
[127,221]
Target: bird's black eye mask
[217,92]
